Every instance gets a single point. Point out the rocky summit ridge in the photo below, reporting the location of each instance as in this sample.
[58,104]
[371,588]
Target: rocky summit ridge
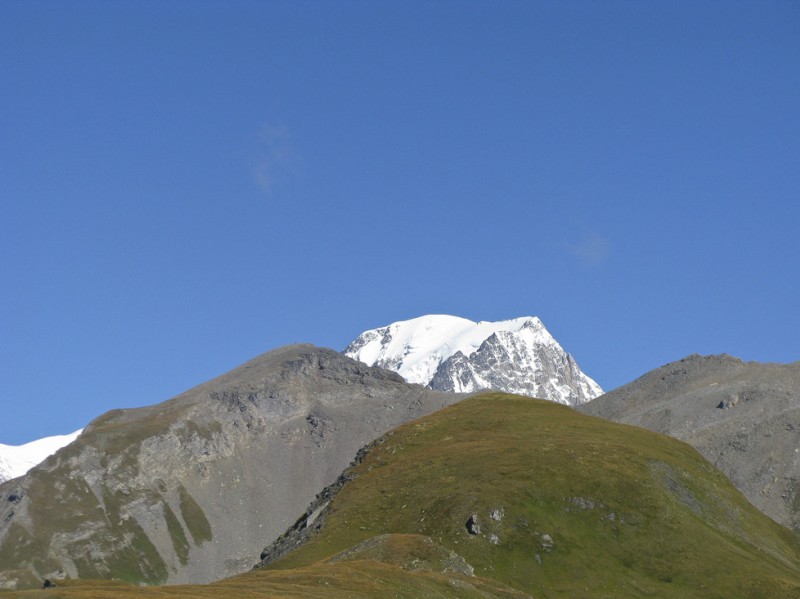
[448,353]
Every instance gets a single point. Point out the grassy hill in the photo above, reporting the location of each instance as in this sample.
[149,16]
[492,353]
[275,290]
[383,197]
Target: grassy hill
[535,500]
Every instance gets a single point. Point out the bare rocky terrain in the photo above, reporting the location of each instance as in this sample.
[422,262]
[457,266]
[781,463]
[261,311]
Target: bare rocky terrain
[744,417]
[193,488]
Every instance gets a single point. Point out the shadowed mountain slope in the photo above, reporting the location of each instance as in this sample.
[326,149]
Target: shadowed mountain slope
[190,490]
[744,417]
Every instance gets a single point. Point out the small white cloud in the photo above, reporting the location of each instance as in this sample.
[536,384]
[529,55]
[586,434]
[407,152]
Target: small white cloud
[593,251]
[276,157]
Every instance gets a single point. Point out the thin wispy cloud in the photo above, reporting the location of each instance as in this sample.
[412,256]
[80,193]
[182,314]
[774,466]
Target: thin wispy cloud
[276,158]
[593,251]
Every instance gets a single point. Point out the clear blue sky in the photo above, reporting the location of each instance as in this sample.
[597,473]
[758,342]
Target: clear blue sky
[185,185]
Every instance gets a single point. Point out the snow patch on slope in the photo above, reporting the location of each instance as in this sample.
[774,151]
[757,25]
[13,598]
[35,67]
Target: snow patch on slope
[16,460]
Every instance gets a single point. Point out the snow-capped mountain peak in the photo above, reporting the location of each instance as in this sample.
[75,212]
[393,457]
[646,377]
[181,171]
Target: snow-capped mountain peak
[16,460]
[449,353]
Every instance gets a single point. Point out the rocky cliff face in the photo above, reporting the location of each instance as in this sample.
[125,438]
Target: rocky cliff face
[743,417]
[505,362]
[447,353]
[192,488]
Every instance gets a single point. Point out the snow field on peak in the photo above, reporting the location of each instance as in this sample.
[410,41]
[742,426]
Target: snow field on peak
[448,353]
[415,348]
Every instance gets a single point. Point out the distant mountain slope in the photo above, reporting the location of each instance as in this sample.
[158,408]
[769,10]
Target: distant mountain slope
[501,496]
[16,460]
[191,489]
[447,353]
[744,417]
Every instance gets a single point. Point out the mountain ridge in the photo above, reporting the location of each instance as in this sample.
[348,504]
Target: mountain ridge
[191,488]
[461,356]
[502,496]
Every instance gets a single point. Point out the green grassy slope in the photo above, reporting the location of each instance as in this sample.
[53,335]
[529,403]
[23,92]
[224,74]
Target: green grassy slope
[567,505]
[630,513]
[360,579]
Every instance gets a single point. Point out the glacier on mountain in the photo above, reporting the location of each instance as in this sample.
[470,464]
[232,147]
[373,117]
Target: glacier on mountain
[16,460]
[448,353]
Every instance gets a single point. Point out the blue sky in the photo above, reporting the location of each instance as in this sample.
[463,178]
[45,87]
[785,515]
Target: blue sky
[185,185]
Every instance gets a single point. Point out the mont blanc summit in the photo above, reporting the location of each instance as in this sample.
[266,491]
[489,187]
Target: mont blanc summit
[448,353]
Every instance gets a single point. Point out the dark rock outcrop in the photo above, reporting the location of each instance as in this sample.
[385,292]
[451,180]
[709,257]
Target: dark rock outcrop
[473,527]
